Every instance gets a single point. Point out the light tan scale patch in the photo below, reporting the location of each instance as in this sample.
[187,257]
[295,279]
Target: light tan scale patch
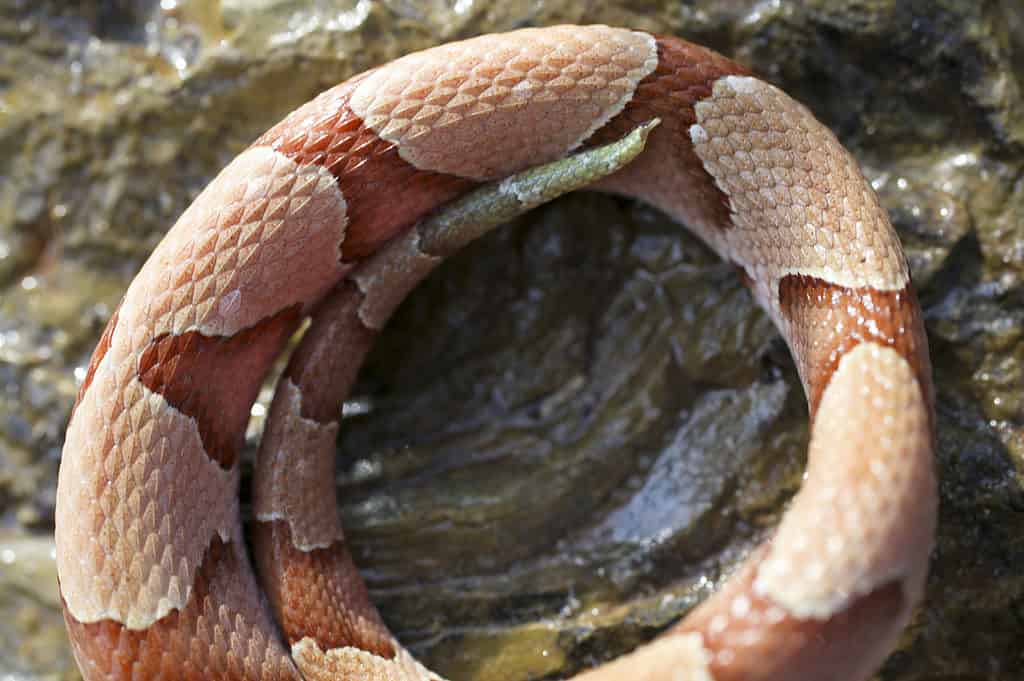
[533,95]
[865,514]
[752,638]
[296,483]
[799,203]
[669,174]
[679,657]
[224,633]
[265,234]
[353,663]
[129,540]
[387,277]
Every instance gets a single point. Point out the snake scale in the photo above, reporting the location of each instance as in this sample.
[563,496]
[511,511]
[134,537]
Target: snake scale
[335,214]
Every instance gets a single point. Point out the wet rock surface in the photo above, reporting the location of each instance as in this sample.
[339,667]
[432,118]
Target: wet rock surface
[571,433]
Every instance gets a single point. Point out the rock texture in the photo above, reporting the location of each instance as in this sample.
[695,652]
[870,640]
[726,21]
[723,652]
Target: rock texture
[569,434]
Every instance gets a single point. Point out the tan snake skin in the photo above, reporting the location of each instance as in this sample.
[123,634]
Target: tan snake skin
[321,217]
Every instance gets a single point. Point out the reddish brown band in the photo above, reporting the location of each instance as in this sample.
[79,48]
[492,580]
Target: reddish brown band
[797,649]
[215,379]
[368,169]
[325,364]
[320,589]
[188,645]
[830,320]
[685,75]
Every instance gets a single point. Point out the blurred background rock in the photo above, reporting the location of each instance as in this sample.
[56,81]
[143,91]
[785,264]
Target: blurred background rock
[570,433]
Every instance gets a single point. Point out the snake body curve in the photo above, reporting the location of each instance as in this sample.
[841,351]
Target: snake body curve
[321,217]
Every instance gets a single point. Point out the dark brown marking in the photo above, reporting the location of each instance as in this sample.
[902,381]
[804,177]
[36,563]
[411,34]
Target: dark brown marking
[805,649]
[745,278]
[97,355]
[318,594]
[215,379]
[195,644]
[384,193]
[684,76]
[831,320]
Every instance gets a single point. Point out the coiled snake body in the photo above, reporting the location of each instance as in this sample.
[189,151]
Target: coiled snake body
[327,214]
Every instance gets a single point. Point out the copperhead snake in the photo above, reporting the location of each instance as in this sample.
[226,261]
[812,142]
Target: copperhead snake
[335,214]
